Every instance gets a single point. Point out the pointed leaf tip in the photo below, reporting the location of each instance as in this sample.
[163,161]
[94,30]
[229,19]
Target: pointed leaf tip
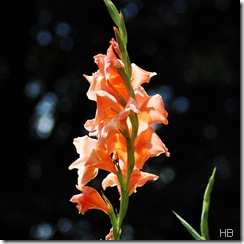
[205,206]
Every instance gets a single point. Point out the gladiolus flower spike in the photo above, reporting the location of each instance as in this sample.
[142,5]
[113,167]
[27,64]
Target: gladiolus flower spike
[121,138]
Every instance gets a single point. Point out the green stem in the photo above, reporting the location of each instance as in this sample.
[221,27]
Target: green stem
[113,220]
[126,73]
[125,188]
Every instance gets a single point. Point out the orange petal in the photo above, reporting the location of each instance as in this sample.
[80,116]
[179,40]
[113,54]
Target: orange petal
[90,125]
[89,199]
[107,106]
[86,174]
[110,181]
[155,107]
[130,106]
[148,144]
[115,46]
[139,178]
[98,82]
[102,160]
[110,236]
[151,107]
[140,76]
[84,146]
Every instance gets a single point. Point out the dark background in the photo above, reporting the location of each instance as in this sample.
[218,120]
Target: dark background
[46,46]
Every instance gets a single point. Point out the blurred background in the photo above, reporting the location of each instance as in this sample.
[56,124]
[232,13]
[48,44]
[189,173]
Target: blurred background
[46,46]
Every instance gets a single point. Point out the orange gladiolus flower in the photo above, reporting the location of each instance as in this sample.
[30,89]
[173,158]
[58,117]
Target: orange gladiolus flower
[84,146]
[91,159]
[112,119]
[122,128]
[108,79]
[148,144]
[151,107]
[89,199]
[137,179]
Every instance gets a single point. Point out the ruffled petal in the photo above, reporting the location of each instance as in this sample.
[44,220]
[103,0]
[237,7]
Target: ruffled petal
[140,76]
[148,144]
[110,181]
[139,178]
[89,199]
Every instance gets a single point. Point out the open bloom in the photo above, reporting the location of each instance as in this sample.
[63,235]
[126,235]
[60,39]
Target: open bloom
[84,147]
[91,160]
[107,78]
[137,179]
[89,199]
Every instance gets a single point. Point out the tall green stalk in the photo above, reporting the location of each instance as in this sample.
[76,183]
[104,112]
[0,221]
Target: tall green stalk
[126,73]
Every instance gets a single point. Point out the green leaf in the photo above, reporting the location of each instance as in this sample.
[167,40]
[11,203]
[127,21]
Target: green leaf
[205,206]
[189,228]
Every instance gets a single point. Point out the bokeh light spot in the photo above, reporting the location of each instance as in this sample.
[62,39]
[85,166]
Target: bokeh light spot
[33,88]
[44,38]
[44,126]
[167,175]
[181,105]
[156,127]
[222,164]
[179,6]
[165,12]
[47,104]
[167,93]
[127,232]
[210,132]
[130,11]
[43,119]
[43,231]
[65,226]
[35,170]
[62,29]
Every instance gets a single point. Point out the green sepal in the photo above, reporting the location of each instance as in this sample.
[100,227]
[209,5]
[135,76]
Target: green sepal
[122,29]
[124,54]
[112,216]
[117,18]
[114,13]
[190,229]
[134,120]
[120,177]
[205,206]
